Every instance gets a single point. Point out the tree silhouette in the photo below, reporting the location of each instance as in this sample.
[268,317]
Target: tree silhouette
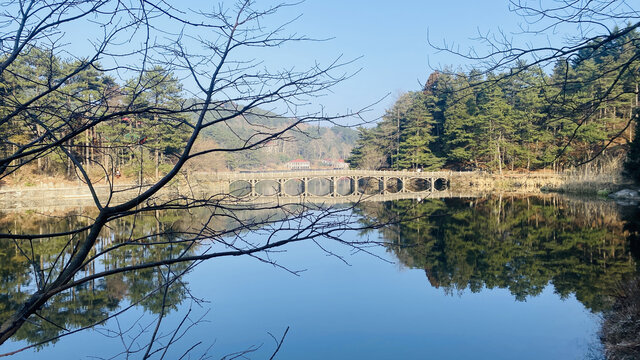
[89,86]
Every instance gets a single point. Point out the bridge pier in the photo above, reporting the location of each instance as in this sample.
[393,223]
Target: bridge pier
[252,185]
[334,187]
[281,187]
[305,186]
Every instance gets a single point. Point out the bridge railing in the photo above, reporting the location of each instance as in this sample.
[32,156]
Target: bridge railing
[331,173]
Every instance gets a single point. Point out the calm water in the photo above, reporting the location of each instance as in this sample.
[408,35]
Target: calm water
[492,278]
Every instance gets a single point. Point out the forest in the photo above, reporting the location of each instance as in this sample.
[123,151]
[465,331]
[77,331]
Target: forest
[145,122]
[527,118]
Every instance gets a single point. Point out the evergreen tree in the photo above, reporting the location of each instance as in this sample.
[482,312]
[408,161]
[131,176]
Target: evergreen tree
[158,127]
[460,129]
[414,148]
[520,119]
[632,163]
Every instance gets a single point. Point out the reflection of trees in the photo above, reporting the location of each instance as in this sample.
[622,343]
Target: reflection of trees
[90,302]
[631,217]
[620,333]
[521,244]
[129,241]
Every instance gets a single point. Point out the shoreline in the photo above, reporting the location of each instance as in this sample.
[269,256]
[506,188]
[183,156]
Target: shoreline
[47,195]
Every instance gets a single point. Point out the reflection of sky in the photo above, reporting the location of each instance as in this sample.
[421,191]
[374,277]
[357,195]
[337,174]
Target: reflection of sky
[370,310]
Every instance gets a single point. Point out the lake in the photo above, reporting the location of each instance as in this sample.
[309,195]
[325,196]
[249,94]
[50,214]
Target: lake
[498,277]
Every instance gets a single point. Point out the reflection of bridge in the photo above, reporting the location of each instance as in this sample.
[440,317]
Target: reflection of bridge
[333,183]
[325,200]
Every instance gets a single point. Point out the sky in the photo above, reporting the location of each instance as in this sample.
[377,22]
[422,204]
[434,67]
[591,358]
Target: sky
[390,42]
[387,42]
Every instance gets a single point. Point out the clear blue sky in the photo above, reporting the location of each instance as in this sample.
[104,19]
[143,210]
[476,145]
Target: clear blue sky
[388,39]
[391,39]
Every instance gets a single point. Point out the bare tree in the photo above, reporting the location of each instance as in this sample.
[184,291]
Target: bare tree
[89,84]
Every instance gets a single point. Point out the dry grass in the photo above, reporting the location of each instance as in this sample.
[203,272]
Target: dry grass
[532,182]
[596,178]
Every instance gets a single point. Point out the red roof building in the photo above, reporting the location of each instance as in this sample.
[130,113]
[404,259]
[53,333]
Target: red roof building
[298,164]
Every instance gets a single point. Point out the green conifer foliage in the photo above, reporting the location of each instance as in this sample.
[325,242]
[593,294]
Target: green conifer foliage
[632,163]
[521,119]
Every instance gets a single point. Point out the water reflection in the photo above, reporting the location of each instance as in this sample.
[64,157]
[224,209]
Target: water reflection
[620,333]
[520,244]
[149,239]
[24,264]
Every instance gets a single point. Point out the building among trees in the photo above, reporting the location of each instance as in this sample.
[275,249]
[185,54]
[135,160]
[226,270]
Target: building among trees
[335,163]
[299,164]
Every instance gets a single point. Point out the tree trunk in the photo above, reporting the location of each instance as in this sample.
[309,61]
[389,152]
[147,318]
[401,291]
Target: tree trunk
[499,155]
[69,165]
[86,148]
[39,132]
[91,144]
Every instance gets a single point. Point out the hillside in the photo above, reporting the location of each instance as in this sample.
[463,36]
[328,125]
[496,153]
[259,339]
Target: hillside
[305,141]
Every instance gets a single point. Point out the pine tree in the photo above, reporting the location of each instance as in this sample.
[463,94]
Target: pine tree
[460,127]
[414,148]
[632,163]
[155,129]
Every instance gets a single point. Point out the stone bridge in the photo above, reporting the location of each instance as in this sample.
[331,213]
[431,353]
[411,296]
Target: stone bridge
[333,183]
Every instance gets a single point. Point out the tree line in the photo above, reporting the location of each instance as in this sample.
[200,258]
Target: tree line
[146,137]
[153,127]
[527,118]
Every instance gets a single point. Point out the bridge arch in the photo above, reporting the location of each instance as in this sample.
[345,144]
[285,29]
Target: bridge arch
[240,188]
[292,187]
[441,184]
[393,184]
[267,187]
[344,186]
[319,186]
[370,185]
[417,184]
